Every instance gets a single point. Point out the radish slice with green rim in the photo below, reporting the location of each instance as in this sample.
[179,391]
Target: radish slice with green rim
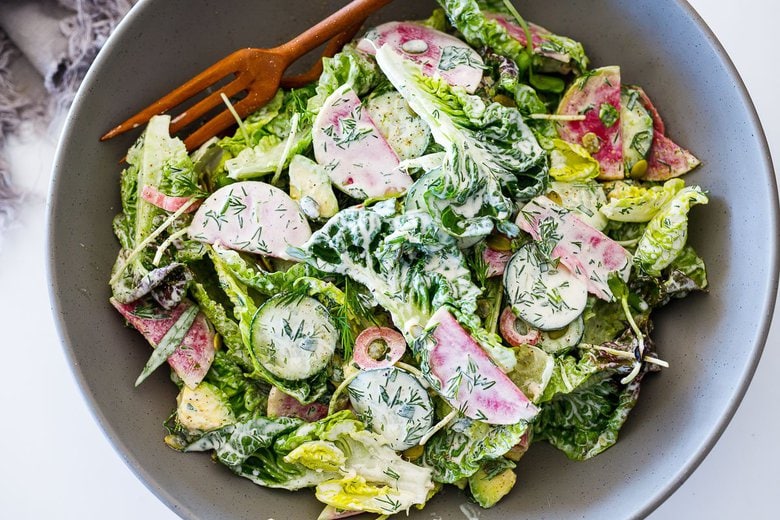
[193,358]
[463,374]
[251,216]
[539,38]
[508,326]
[544,295]
[378,347]
[359,161]
[668,160]
[596,95]
[587,252]
[438,53]
[394,404]
[166,202]
[644,100]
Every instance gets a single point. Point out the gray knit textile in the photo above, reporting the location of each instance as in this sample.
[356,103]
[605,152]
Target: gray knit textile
[85,31]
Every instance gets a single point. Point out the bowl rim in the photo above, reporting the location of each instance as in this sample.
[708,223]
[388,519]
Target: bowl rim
[652,502]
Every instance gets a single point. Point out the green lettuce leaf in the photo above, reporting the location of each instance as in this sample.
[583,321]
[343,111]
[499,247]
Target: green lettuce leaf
[585,422]
[492,158]
[351,468]
[571,162]
[460,449]
[667,232]
[409,264]
[244,308]
[635,203]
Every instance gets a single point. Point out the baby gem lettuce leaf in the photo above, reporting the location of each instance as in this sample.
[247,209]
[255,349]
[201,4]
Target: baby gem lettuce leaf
[492,159]
[667,232]
[351,468]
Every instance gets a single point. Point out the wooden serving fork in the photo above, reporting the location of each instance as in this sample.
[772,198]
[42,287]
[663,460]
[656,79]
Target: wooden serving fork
[257,72]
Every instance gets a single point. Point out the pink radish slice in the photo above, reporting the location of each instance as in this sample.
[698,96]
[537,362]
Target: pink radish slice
[483,392]
[251,216]
[349,145]
[508,327]
[284,405]
[539,35]
[588,96]
[496,261]
[587,252]
[438,53]
[392,339]
[192,359]
[157,198]
[667,160]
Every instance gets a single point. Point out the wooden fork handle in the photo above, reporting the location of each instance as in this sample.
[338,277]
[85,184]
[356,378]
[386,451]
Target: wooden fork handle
[333,46]
[339,21]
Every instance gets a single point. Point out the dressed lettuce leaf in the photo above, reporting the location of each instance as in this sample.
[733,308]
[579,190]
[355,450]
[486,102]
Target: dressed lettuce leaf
[492,159]
[636,203]
[459,450]
[667,232]
[585,422]
[351,468]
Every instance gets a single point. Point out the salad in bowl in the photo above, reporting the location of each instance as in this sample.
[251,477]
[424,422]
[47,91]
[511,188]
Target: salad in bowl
[446,249]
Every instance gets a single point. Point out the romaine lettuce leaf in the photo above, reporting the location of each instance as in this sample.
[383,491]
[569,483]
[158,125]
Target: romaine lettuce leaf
[492,158]
[460,449]
[586,422]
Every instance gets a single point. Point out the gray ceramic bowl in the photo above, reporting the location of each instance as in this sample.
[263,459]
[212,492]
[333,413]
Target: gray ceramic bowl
[712,341]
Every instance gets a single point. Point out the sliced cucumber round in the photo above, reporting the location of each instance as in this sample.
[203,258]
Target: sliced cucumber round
[562,340]
[293,339]
[543,293]
[636,126]
[393,404]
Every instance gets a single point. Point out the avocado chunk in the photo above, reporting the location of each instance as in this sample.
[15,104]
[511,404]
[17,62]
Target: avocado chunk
[203,408]
[492,482]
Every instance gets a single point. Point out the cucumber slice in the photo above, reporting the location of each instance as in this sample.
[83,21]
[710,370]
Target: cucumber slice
[636,125]
[546,295]
[559,341]
[393,404]
[293,339]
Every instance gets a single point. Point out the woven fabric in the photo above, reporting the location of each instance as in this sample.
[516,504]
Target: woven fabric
[59,39]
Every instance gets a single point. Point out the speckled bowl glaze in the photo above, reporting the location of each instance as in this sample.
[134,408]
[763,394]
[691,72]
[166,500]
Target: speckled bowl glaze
[712,341]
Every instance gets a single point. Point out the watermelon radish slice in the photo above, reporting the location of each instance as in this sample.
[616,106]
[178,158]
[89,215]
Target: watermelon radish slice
[587,252]
[666,159]
[596,95]
[495,261]
[253,217]
[539,38]
[644,100]
[359,161]
[438,53]
[284,405]
[166,202]
[464,375]
[192,359]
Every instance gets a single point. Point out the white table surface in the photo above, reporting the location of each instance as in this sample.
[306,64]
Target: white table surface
[56,462]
